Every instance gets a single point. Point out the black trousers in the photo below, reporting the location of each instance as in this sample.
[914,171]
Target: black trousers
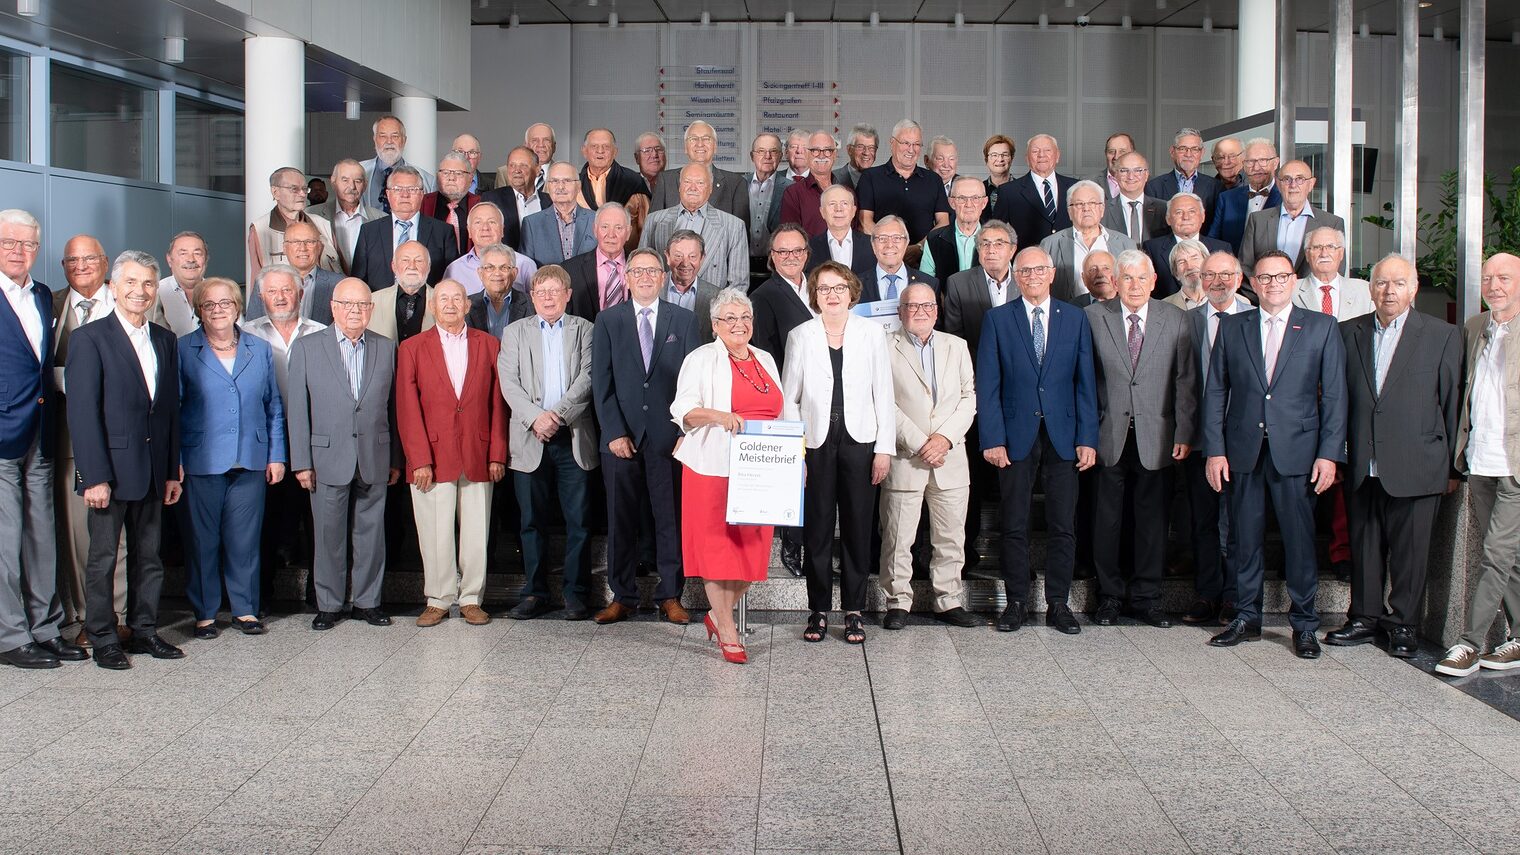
[838,487]
[655,479]
[1390,539]
[1128,484]
[287,535]
[984,481]
[143,520]
[1016,484]
[1213,576]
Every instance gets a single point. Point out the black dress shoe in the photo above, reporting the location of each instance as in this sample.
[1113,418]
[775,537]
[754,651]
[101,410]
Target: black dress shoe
[113,657]
[1305,645]
[791,558]
[207,632]
[1107,613]
[1402,643]
[324,620]
[63,650]
[895,619]
[1356,631]
[1153,615]
[373,617]
[578,613]
[529,608]
[958,617]
[1059,616]
[249,626]
[1202,611]
[1012,617]
[30,655]
[1236,632]
[155,647]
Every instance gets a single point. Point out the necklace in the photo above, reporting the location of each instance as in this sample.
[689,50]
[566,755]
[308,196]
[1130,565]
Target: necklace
[231,345]
[739,367]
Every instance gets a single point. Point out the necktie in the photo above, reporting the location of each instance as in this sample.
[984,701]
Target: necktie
[614,293]
[1325,305]
[1134,223]
[891,287]
[453,221]
[1050,202]
[1274,341]
[84,308]
[385,204]
[1218,319]
[406,232]
[1136,338]
[410,305]
[646,337]
[1039,336]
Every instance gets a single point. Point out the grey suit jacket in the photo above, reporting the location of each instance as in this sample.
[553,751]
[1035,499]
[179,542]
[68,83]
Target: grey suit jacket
[331,432]
[706,291]
[1261,236]
[1152,218]
[1474,339]
[520,369]
[540,236]
[726,256]
[966,304]
[1159,394]
[730,193]
[1059,247]
[1101,179]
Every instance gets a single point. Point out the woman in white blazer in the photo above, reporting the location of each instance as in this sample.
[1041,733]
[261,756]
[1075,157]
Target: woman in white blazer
[838,381]
[722,384]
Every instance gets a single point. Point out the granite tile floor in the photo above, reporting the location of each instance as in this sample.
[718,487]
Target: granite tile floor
[555,737]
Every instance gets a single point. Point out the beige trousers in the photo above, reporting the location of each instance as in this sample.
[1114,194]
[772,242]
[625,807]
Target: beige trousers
[74,546]
[453,566]
[900,510]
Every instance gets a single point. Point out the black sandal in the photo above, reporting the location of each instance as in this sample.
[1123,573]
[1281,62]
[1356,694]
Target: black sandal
[817,628]
[854,629]
[249,626]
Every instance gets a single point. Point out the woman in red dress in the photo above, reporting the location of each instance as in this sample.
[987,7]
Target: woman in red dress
[721,385]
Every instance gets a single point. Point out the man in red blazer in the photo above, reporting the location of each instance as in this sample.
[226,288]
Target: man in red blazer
[453,426]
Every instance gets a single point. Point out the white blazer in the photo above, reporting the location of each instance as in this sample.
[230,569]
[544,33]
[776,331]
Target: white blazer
[870,410]
[706,380]
[1355,297]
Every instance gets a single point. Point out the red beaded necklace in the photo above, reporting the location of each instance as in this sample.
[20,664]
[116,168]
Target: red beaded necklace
[739,366]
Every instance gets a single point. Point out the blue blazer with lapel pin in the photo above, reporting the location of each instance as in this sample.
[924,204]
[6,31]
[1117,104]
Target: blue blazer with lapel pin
[26,383]
[1015,392]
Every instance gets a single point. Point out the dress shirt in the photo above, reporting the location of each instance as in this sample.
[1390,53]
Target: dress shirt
[497,321]
[638,312]
[1047,182]
[1126,311]
[1290,230]
[1266,334]
[174,300]
[1485,443]
[965,247]
[604,276]
[685,299]
[352,351]
[554,359]
[1113,183]
[598,189]
[925,350]
[566,230]
[456,355]
[1184,182]
[759,212]
[800,289]
[265,329]
[997,289]
[308,285]
[346,228]
[1124,203]
[1213,319]
[529,204]
[1319,293]
[147,359]
[466,271]
[25,306]
[843,251]
[881,281]
[1258,201]
[1079,253]
[411,233]
[694,220]
[1385,341]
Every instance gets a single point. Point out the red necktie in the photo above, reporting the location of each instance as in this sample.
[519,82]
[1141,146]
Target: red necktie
[453,221]
[1325,305]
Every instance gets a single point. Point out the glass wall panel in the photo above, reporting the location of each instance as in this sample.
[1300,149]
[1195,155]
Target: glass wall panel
[104,125]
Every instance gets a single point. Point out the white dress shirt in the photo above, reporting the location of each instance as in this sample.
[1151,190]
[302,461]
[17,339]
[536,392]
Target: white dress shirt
[411,233]
[1125,312]
[997,289]
[1257,203]
[25,306]
[529,204]
[842,251]
[800,289]
[142,344]
[1079,253]
[265,329]
[1213,318]
[1485,444]
[346,228]
[178,314]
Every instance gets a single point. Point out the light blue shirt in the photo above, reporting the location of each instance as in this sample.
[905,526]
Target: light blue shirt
[496,322]
[687,301]
[1385,340]
[881,281]
[554,360]
[1290,230]
[1184,183]
[926,361]
[965,247]
[411,233]
[353,360]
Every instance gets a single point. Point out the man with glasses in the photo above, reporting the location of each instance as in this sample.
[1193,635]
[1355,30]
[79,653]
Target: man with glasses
[649,157]
[902,188]
[452,201]
[540,138]
[950,249]
[486,228]
[266,235]
[800,203]
[1036,391]
[469,146]
[726,261]
[346,209]
[562,230]
[1286,228]
[1133,212]
[341,450]
[796,154]
[729,192]
[1257,191]
[303,246]
[498,303]
[891,276]
[1116,146]
[380,239]
[766,187]
[636,354]
[390,143]
[936,401]
[1034,204]
[1184,177]
[1184,217]
[1069,247]
[1275,428]
[840,240]
[1228,158]
[860,155]
[186,260]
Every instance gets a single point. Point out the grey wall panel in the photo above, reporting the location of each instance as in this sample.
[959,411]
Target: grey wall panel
[517,77]
[219,221]
[121,216]
[28,191]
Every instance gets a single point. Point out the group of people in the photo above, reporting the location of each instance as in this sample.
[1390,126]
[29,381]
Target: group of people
[401,348]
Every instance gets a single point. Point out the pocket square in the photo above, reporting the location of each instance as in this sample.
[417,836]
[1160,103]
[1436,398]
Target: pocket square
[670,338]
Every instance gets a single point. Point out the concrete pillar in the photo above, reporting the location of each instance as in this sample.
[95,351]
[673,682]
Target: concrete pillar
[1338,148]
[1472,69]
[1255,53]
[420,116]
[274,115]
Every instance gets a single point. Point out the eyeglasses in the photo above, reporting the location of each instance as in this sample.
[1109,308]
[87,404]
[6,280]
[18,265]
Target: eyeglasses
[452,173]
[910,146]
[705,138]
[1227,156]
[304,242]
[642,272]
[1270,278]
[1189,149]
[920,308]
[889,240]
[497,268]
[1294,180]
[1133,170]
[9,244]
[1211,275]
[735,320]
[353,305]
[994,243]
[76,260]
[650,149]
[218,305]
[863,148]
[470,152]
[1259,161]
[561,180]
[1075,204]
[1324,247]
[405,191]
[824,290]
[1036,270]
[547,292]
[828,150]
[977,198]
[291,188]
[789,253]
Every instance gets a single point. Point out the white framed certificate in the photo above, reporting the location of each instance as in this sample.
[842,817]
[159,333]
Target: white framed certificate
[883,312]
[765,474]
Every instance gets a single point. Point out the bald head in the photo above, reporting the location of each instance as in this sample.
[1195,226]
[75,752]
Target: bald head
[84,264]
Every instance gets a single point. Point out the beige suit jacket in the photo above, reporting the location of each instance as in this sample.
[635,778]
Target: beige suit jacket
[1474,341]
[382,318]
[920,414]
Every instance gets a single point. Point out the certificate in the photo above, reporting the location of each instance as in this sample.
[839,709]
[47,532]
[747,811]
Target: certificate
[765,474]
[883,312]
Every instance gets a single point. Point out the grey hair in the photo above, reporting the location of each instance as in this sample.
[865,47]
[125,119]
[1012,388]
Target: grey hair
[134,256]
[798,133]
[1007,230]
[509,252]
[1132,258]
[705,167]
[862,129]
[18,217]
[1390,257]
[651,252]
[906,125]
[1029,143]
[1183,195]
[704,123]
[274,177]
[941,140]
[838,188]
[686,234]
[608,131]
[482,205]
[1194,246]
[269,270]
[375,128]
[551,166]
[347,161]
[889,219]
[615,208]
[404,169]
[1339,235]
[730,296]
[455,154]
[1185,132]
[833,139]
[1086,184]
[1234,262]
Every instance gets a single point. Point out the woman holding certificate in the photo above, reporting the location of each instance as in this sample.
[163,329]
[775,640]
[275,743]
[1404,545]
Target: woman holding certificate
[838,381]
[720,386]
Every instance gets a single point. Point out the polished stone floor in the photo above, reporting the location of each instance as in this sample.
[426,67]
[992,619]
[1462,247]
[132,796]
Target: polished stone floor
[554,737]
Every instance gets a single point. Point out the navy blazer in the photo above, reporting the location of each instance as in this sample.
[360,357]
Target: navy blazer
[1160,251]
[631,401]
[862,260]
[26,382]
[1303,409]
[1164,187]
[229,421]
[1229,221]
[121,436]
[1061,392]
[505,198]
[372,254]
[1020,205]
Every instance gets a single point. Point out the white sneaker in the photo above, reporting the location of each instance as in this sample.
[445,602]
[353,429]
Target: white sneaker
[1460,661]
[1504,657]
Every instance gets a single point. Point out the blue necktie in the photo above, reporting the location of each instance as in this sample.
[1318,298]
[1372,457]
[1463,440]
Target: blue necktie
[891,287]
[406,232]
[1039,336]
[1050,202]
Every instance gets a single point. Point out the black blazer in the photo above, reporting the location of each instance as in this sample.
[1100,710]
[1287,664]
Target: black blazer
[372,254]
[629,400]
[1160,250]
[1205,186]
[862,262]
[505,199]
[622,184]
[520,307]
[585,293]
[940,244]
[777,312]
[870,290]
[1411,427]
[1019,205]
[121,436]
[435,206]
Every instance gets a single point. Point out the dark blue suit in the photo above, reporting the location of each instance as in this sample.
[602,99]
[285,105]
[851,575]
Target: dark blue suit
[634,402]
[377,243]
[1039,411]
[1229,221]
[26,383]
[1272,432]
[1205,187]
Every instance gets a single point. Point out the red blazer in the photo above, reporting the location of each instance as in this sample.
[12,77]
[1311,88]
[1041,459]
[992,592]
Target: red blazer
[456,436]
[435,206]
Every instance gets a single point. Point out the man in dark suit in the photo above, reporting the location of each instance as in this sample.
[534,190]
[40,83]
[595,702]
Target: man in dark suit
[683,287]
[636,354]
[1184,217]
[599,277]
[518,198]
[1036,390]
[123,381]
[837,205]
[950,249]
[887,279]
[1035,202]
[498,304]
[1287,227]
[730,191]
[1135,213]
[1257,191]
[603,179]
[1187,154]
[452,201]
[378,239]
[1402,426]
[1274,427]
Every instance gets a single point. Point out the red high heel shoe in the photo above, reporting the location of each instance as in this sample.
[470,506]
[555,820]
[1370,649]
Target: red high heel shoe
[734,653]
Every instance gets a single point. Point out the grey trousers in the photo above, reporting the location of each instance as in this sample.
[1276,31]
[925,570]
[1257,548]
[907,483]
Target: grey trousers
[1496,510]
[29,609]
[354,509]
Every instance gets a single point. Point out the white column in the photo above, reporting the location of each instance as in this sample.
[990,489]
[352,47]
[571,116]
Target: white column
[1339,138]
[1256,58]
[274,115]
[420,116]
[1472,68]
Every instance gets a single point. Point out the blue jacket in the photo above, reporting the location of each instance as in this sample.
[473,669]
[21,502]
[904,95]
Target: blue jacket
[1229,221]
[1061,391]
[232,420]
[26,383]
[540,236]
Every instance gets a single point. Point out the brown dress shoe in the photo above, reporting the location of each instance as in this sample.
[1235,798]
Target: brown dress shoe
[124,632]
[614,612]
[83,640]
[671,610]
[432,616]
[474,615]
